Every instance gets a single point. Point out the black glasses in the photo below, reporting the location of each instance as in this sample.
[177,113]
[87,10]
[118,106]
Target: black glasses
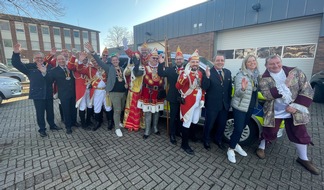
[104,55]
[156,58]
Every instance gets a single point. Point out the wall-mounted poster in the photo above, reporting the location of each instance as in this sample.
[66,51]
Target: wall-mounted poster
[263,52]
[275,50]
[299,51]
[241,53]
[229,54]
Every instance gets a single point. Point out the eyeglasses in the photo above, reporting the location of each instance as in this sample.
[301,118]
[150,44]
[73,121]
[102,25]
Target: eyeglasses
[155,58]
[104,55]
[178,59]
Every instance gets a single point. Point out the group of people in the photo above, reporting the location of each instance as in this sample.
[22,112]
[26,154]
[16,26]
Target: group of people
[133,97]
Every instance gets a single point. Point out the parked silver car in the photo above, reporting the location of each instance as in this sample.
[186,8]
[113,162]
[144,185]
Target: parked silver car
[5,71]
[317,82]
[9,88]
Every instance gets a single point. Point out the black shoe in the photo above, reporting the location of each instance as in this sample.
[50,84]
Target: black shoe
[221,145]
[207,146]
[68,131]
[158,133]
[188,150]
[96,127]
[43,134]
[173,139]
[145,137]
[86,128]
[110,125]
[54,127]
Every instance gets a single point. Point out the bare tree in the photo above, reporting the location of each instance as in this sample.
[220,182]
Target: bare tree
[33,8]
[115,36]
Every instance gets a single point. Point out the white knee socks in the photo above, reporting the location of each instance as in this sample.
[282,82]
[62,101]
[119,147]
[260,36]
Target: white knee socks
[262,144]
[302,151]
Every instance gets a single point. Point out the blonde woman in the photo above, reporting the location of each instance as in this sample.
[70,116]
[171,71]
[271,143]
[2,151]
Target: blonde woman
[243,102]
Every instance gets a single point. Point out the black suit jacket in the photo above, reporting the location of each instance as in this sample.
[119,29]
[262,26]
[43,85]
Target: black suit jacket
[65,88]
[218,95]
[171,74]
[40,86]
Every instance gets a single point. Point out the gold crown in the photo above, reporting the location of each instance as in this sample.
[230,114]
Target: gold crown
[195,55]
[179,52]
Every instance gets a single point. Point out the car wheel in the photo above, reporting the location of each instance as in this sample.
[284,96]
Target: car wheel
[318,94]
[1,99]
[249,134]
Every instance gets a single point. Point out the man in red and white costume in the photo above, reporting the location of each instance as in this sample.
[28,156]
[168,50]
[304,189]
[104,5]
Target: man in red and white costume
[82,90]
[98,79]
[143,51]
[189,85]
[149,102]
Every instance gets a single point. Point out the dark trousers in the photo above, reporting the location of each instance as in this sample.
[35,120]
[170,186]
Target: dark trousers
[211,118]
[175,123]
[69,111]
[241,119]
[41,106]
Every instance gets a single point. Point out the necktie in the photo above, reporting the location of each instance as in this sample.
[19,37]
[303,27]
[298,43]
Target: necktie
[220,75]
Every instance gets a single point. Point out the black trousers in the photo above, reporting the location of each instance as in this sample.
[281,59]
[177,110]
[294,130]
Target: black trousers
[175,123]
[211,118]
[69,111]
[42,105]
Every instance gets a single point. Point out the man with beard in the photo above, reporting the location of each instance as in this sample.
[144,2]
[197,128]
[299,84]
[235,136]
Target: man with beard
[144,52]
[189,85]
[41,90]
[173,96]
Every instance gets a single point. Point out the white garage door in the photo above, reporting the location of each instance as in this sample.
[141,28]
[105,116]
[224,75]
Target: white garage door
[295,41]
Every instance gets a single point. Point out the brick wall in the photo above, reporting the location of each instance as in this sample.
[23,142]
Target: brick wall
[188,44]
[319,58]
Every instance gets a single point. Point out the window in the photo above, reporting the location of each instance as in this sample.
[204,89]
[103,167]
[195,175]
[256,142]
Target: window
[23,44]
[56,31]
[76,34]
[35,45]
[58,46]
[93,36]
[47,46]
[67,33]
[85,34]
[4,25]
[19,27]
[68,46]
[32,29]
[7,43]
[78,47]
[45,30]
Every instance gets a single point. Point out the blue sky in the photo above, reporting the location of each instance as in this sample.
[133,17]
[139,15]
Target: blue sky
[102,15]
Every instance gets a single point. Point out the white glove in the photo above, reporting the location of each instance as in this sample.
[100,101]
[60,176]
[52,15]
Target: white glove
[125,43]
[201,104]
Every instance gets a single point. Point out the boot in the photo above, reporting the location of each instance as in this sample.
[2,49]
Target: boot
[61,112]
[109,115]
[148,120]
[98,122]
[185,137]
[89,115]
[155,122]
[83,121]
[193,132]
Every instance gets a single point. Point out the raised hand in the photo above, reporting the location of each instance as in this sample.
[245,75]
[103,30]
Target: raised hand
[207,72]
[82,56]
[17,48]
[161,59]
[244,84]
[89,46]
[53,51]
[41,68]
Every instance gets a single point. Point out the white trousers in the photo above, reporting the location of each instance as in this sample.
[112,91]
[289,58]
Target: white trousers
[99,100]
[85,101]
[195,112]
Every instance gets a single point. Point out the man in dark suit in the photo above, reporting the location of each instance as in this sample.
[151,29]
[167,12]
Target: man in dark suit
[218,86]
[173,96]
[66,92]
[40,90]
